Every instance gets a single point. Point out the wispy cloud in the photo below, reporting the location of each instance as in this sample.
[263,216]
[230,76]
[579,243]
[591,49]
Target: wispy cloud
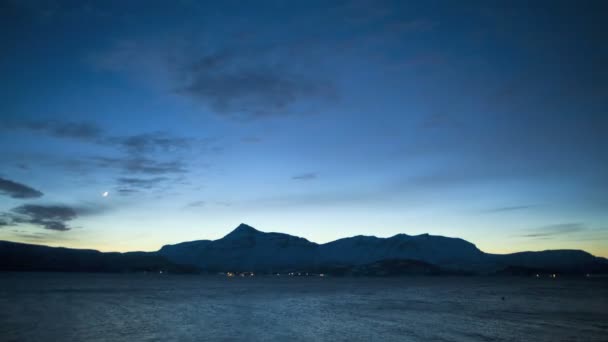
[556,230]
[305,176]
[92,133]
[141,165]
[17,190]
[196,204]
[151,142]
[31,236]
[508,208]
[143,183]
[144,153]
[84,131]
[127,192]
[38,236]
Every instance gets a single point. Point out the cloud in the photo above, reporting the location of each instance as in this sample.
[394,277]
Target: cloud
[249,83]
[128,186]
[32,236]
[141,165]
[305,176]
[151,142]
[38,236]
[144,183]
[555,230]
[236,85]
[196,204]
[240,75]
[239,81]
[127,192]
[85,131]
[140,152]
[52,217]
[17,190]
[509,208]
[91,132]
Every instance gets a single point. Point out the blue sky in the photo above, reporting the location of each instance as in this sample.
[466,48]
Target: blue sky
[482,120]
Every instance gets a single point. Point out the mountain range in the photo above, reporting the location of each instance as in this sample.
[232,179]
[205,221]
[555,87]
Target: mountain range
[248,249]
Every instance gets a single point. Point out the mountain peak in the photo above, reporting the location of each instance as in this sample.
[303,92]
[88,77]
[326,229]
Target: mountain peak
[243,229]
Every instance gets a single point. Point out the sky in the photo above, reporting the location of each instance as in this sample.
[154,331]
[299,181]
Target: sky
[130,125]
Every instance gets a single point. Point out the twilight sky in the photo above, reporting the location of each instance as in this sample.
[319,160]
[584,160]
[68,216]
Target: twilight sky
[481,120]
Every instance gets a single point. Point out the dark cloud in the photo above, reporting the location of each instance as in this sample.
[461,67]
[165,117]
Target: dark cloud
[85,131]
[242,86]
[17,190]
[141,165]
[91,132]
[555,230]
[140,151]
[52,217]
[127,192]
[144,183]
[305,176]
[151,142]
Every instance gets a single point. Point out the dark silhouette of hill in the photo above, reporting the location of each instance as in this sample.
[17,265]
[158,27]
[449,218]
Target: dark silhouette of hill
[248,249]
[25,257]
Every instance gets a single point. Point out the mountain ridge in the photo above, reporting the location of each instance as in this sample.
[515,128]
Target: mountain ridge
[15,256]
[247,249]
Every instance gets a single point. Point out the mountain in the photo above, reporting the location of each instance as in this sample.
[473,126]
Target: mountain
[551,261]
[248,249]
[245,248]
[25,257]
[450,253]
